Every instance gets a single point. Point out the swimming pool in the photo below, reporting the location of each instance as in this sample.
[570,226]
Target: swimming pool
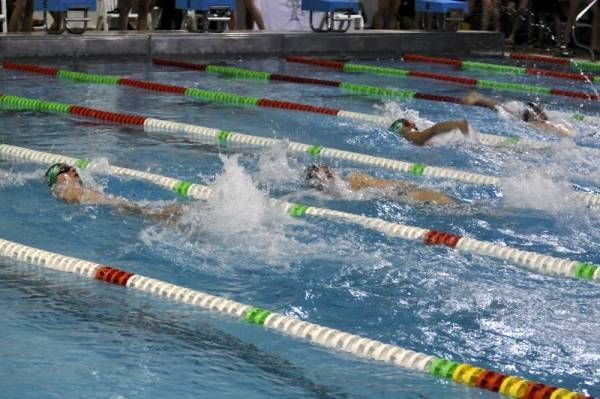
[84,338]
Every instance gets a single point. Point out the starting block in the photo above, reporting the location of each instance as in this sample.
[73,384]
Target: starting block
[206,15]
[436,14]
[65,6]
[342,12]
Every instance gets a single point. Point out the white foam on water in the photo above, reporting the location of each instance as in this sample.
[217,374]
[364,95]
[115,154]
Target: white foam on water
[239,222]
[10,178]
[455,136]
[540,187]
[393,111]
[95,175]
[274,166]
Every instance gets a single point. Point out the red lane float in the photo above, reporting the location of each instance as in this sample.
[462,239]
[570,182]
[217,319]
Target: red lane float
[434,237]
[166,88]
[559,74]
[312,61]
[263,102]
[540,58]
[112,275]
[181,64]
[433,60]
[106,115]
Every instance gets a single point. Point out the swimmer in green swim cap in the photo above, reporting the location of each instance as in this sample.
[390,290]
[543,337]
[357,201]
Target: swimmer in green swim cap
[65,183]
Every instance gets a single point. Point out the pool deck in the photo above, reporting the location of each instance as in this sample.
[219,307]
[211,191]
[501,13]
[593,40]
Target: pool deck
[363,44]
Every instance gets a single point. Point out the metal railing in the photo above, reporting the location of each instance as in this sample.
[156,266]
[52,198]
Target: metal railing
[3,17]
[574,36]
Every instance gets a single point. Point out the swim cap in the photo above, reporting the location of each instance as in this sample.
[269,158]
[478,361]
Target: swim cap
[53,171]
[534,109]
[316,175]
[399,125]
[311,176]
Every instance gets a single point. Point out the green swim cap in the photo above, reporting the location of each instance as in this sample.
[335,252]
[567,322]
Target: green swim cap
[397,126]
[52,173]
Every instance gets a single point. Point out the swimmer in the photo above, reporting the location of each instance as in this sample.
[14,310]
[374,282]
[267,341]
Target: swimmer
[65,183]
[531,113]
[409,131]
[322,178]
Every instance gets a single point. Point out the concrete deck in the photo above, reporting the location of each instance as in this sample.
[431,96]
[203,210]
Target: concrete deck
[363,44]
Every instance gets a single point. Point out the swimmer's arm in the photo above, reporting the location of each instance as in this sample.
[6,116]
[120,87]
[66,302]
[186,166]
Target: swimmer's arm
[126,206]
[552,128]
[474,98]
[358,181]
[161,214]
[422,137]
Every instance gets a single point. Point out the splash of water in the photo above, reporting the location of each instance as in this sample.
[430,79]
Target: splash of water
[95,176]
[10,178]
[540,188]
[237,219]
[393,111]
[274,166]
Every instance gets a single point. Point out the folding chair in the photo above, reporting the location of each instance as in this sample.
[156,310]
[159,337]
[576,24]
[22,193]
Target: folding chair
[213,15]
[65,6]
[107,12]
[435,14]
[342,12]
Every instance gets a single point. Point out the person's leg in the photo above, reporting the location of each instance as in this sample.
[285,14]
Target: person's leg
[57,20]
[394,6]
[474,98]
[253,10]
[573,6]
[486,10]
[495,14]
[520,16]
[28,17]
[143,8]
[17,14]
[166,16]
[379,18]
[124,9]
[232,22]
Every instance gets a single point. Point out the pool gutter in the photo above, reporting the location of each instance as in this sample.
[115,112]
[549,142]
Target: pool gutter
[364,44]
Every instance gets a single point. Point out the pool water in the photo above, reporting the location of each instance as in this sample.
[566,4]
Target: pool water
[64,336]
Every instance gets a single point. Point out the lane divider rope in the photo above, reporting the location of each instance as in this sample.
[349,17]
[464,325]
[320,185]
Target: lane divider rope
[244,73]
[498,68]
[330,338]
[533,261]
[480,83]
[223,136]
[573,63]
[231,98]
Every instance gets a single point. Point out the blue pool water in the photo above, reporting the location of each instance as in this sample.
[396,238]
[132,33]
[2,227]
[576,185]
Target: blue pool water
[64,336]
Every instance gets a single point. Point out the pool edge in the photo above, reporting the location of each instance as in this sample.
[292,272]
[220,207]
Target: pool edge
[365,44]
